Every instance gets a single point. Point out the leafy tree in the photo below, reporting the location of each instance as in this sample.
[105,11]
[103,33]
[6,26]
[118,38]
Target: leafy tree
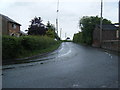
[51,31]
[78,38]
[87,25]
[37,27]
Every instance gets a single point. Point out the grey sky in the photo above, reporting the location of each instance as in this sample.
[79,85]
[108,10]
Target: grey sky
[70,11]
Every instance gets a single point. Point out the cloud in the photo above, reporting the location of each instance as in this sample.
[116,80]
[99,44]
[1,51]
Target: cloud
[70,11]
[59,0]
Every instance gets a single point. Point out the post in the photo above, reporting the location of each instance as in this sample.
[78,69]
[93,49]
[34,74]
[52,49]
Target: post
[101,23]
[57,17]
[65,35]
[119,13]
[119,18]
[57,26]
[60,32]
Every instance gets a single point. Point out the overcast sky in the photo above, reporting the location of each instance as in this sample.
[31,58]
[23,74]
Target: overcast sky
[70,12]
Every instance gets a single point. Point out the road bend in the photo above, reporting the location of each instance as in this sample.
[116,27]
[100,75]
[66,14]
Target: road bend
[70,66]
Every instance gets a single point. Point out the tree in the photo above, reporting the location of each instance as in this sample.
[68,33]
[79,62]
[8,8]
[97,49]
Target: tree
[51,31]
[87,25]
[37,27]
[78,38]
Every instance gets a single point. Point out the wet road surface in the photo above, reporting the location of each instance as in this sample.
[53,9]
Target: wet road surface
[71,66]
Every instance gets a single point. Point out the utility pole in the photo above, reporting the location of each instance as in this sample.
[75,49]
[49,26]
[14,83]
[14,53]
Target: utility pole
[119,12]
[119,20]
[60,32]
[57,17]
[117,32]
[101,23]
[65,35]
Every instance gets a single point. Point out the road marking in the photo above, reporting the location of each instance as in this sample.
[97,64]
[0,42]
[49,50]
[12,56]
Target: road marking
[103,86]
[106,52]
[65,53]
[75,85]
[111,57]
[61,49]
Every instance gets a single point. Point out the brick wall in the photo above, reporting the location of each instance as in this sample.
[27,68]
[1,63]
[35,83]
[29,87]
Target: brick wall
[109,40]
[111,45]
[4,27]
[109,35]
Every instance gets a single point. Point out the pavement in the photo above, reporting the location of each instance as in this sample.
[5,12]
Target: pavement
[70,66]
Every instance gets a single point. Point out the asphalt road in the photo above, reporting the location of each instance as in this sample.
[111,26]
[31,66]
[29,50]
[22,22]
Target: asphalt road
[71,66]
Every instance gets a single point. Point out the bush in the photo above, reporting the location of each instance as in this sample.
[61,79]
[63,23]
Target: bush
[14,47]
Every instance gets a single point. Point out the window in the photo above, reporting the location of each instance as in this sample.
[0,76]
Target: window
[14,26]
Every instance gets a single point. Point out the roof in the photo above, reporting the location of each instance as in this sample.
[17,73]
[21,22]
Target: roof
[108,27]
[9,19]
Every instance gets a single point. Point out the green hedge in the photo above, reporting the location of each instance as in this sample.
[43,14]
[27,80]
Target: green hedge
[15,47]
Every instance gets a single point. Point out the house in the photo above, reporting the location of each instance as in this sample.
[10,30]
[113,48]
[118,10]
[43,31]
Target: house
[110,37]
[9,26]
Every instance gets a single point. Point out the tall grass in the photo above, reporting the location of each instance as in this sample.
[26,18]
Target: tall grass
[15,47]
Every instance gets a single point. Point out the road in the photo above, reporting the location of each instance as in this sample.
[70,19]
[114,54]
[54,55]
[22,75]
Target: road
[71,66]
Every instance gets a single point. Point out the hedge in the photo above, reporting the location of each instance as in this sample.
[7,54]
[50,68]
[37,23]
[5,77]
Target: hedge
[14,47]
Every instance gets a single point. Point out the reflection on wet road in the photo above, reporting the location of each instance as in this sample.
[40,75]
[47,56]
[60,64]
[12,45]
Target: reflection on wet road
[71,66]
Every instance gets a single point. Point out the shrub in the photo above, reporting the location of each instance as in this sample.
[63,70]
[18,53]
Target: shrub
[13,47]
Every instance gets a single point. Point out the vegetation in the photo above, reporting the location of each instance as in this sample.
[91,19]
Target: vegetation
[41,39]
[51,31]
[87,25]
[38,28]
[14,47]
[78,38]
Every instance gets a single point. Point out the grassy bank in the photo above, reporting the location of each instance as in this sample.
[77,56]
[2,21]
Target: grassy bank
[25,46]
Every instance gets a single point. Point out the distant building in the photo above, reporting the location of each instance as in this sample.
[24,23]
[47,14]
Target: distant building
[109,33]
[9,26]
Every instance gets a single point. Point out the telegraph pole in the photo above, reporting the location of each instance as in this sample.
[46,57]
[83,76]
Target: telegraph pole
[119,13]
[65,35]
[57,17]
[117,33]
[101,23]
[60,32]
[119,19]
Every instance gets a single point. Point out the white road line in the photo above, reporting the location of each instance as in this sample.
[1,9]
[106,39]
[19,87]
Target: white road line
[111,57]
[65,53]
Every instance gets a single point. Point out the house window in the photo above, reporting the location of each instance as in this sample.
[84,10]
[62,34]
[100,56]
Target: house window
[14,26]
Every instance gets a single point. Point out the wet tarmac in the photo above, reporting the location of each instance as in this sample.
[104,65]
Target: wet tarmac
[71,66]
